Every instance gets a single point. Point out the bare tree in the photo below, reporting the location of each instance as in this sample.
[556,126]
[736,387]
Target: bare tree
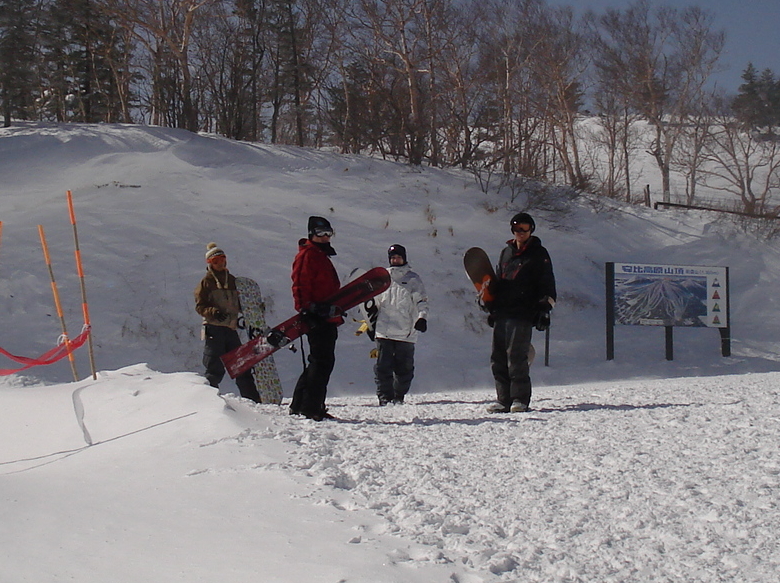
[465,102]
[403,32]
[659,60]
[165,27]
[690,153]
[508,49]
[231,47]
[743,164]
[616,140]
[559,67]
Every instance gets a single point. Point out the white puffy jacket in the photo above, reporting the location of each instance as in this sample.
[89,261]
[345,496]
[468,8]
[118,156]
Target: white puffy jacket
[401,305]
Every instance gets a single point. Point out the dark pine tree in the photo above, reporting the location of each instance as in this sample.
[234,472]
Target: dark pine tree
[18,23]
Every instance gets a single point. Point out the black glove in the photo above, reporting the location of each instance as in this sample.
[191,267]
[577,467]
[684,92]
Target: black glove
[421,325]
[311,319]
[324,310]
[542,322]
[219,315]
[544,304]
[491,320]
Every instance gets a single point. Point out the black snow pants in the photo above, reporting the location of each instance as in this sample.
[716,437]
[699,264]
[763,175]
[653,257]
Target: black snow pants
[221,340]
[509,360]
[312,386]
[394,369]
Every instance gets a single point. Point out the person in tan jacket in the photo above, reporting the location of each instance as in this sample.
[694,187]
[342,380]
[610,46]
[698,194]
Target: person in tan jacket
[217,301]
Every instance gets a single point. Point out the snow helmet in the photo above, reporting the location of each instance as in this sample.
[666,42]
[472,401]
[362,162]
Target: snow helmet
[319,226]
[213,251]
[522,219]
[397,250]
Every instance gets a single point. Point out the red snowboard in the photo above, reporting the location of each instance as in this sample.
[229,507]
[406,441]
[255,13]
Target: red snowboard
[356,292]
[480,272]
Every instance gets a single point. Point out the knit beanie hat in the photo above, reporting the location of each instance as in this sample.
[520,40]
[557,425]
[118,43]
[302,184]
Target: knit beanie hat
[213,251]
[397,250]
[522,219]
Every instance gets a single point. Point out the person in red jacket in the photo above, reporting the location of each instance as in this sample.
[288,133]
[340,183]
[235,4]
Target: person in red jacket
[313,280]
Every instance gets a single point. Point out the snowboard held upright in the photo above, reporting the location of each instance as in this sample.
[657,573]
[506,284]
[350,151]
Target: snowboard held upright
[483,276]
[481,273]
[357,291]
[253,308]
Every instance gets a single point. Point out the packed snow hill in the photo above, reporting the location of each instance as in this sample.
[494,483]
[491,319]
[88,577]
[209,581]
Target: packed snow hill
[634,469]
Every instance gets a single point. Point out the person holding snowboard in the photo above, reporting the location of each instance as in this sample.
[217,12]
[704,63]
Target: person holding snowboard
[217,301]
[313,279]
[524,294]
[402,312]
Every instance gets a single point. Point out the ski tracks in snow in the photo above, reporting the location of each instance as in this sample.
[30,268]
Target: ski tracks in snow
[642,481]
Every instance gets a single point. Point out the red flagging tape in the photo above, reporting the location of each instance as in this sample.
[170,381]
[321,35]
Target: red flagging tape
[50,357]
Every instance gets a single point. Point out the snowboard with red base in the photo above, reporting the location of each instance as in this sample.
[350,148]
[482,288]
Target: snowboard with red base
[481,273]
[355,292]
[368,310]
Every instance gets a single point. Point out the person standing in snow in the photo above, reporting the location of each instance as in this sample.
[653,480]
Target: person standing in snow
[402,313]
[217,301]
[524,294]
[314,279]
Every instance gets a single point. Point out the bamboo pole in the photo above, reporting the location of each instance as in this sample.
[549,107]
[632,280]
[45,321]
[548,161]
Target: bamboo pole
[57,303]
[80,269]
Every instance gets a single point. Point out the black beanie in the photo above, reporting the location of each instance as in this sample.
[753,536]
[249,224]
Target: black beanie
[522,219]
[397,250]
[318,223]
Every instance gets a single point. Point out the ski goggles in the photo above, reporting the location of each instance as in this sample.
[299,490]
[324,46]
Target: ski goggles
[324,232]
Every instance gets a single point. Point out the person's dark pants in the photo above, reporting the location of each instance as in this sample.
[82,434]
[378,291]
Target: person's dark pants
[509,360]
[312,386]
[394,369]
[221,340]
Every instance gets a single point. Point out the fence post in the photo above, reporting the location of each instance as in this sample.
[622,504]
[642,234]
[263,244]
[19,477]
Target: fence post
[57,303]
[80,270]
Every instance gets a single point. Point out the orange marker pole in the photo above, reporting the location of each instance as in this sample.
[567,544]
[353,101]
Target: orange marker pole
[80,269]
[57,303]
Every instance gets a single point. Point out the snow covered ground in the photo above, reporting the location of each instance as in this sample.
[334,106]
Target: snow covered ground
[637,469]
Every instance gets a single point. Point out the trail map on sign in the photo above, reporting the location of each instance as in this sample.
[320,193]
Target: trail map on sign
[670,295]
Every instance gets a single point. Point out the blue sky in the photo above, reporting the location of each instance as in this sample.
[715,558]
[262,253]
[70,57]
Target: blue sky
[752,31]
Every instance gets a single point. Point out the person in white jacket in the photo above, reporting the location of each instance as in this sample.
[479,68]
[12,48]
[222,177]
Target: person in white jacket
[402,316]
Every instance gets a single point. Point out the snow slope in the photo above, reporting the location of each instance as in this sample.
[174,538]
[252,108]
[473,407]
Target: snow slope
[637,469]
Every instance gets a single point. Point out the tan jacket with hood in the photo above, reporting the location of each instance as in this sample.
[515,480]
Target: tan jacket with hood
[217,293]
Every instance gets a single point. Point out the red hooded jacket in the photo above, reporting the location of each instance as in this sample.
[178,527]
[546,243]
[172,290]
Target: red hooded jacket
[314,278]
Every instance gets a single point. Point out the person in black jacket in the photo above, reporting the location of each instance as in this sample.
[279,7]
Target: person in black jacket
[524,294]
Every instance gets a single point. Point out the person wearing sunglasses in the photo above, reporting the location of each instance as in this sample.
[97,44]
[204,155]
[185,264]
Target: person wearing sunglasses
[314,278]
[524,294]
[217,301]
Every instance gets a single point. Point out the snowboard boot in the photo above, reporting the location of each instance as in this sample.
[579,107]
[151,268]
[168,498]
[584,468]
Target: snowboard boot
[497,407]
[518,407]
